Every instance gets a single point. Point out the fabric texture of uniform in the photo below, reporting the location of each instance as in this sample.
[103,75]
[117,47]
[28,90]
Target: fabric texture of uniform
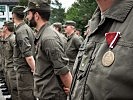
[50,63]
[94,81]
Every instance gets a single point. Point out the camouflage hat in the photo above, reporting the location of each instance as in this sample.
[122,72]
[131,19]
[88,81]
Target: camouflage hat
[8,23]
[72,23]
[18,9]
[38,5]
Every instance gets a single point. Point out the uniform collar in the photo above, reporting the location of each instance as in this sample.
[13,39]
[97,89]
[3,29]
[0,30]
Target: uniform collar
[6,39]
[41,30]
[21,24]
[69,37]
[119,10]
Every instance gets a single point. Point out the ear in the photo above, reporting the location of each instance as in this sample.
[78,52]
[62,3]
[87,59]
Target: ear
[36,15]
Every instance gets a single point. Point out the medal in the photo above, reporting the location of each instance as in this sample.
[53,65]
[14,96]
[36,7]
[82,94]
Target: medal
[109,57]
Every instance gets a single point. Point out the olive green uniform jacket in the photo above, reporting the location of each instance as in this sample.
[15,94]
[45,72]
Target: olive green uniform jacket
[50,63]
[1,54]
[94,81]
[72,48]
[24,46]
[9,73]
[8,50]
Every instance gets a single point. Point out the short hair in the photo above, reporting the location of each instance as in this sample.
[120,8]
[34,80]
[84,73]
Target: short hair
[18,11]
[58,25]
[9,25]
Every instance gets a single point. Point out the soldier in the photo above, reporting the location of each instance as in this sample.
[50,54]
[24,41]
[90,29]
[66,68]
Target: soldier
[73,42]
[57,26]
[103,68]
[24,62]
[10,74]
[52,73]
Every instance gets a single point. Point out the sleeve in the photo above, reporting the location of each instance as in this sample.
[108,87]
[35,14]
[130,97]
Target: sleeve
[24,45]
[12,41]
[55,53]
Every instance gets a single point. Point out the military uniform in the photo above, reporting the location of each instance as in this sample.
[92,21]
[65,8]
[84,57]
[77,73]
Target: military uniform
[72,46]
[80,37]
[58,27]
[10,74]
[93,79]
[50,63]
[1,59]
[24,47]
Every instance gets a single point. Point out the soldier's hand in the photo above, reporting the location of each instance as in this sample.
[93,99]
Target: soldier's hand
[67,90]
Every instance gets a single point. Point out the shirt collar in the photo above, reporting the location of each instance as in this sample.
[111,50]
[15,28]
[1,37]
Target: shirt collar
[21,24]
[69,37]
[119,10]
[41,30]
[6,39]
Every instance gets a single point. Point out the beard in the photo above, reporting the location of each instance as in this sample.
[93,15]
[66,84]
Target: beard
[32,22]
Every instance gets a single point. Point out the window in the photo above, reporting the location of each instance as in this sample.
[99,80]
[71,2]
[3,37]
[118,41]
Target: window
[2,8]
[2,19]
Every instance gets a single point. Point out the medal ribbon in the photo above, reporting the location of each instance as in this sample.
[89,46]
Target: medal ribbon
[112,38]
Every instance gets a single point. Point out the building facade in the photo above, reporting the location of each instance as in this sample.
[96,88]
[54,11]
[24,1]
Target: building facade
[5,10]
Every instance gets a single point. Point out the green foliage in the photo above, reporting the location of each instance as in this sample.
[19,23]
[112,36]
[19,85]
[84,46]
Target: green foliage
[81,11]
[23,2]
[58,13]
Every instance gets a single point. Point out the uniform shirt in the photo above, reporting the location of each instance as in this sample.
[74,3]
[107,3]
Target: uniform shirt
[94,81]
[81,38]
[1,54]
[24,45]
[8,50]
[72,48]
[50,63]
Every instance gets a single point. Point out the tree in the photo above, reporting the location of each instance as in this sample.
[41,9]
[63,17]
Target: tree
[23,2]
[58,13]
[81,11]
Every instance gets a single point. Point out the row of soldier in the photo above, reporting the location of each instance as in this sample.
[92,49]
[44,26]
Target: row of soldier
[38,64]
[103,66]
